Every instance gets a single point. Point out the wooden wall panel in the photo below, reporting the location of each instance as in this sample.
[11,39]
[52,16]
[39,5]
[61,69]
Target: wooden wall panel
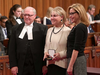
[46,5]
[2,7]
[16,2]
[86,4]
[98,58]
[6,5]
[42,5]
[23,3]
[27,2]
[53,3]
[97,3]
[88,57]
[31,3]
[39,8]
[93,56]
[60,3]
[73,1]
[66,3]
[34,3]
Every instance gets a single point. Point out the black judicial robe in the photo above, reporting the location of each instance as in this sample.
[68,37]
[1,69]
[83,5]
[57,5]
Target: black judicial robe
[18,47]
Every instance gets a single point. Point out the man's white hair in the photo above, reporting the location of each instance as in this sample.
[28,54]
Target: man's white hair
[31,8]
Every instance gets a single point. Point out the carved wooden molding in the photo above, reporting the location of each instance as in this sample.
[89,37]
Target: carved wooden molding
[1,66]
[93,51]
[7,65]
[3,58]
[98,54]
[87,56]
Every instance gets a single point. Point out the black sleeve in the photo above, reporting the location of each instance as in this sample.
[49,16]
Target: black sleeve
[46,28]
[80,37]
[1,47]
[8,26]
[12,50]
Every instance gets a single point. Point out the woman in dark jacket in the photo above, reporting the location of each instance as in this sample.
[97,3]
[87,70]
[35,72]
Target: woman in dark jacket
[14,18]
[76,61]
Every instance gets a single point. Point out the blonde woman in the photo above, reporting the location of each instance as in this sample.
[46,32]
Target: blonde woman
[56,41]
[76,61]
[46,19]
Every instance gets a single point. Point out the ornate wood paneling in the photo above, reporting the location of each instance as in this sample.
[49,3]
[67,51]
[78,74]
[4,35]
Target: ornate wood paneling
[88,57]
[42,5]
[45,6]
[98,58]
[16,2]
[4,66]
[93,56]
[39,8]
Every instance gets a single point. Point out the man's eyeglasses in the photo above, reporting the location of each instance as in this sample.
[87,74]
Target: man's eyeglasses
[28,15]
[72,13]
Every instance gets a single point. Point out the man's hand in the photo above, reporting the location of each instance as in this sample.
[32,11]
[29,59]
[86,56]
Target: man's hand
[44,70]
[14,70]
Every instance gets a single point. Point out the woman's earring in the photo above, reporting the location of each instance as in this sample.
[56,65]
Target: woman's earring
[61,20]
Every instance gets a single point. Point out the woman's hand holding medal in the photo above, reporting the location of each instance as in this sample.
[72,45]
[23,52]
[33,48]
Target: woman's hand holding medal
[56,57]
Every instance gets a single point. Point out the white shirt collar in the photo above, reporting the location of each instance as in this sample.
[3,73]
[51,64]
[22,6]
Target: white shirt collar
[28,29]
[30,24]
[14,17]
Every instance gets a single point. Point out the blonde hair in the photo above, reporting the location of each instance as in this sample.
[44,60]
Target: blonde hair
[48,14]
[79,8]
[60,11]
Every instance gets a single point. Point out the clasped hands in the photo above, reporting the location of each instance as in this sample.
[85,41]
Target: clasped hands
[55,58]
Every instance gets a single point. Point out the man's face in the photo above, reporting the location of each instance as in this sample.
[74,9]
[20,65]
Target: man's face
[2,23]
[38,20]
[92,11]
[28,16]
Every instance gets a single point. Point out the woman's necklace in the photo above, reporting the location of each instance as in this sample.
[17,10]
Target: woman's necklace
[58,30]
[59,38]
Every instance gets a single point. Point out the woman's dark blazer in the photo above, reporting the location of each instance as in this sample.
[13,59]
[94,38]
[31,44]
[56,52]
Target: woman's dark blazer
[9,26]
